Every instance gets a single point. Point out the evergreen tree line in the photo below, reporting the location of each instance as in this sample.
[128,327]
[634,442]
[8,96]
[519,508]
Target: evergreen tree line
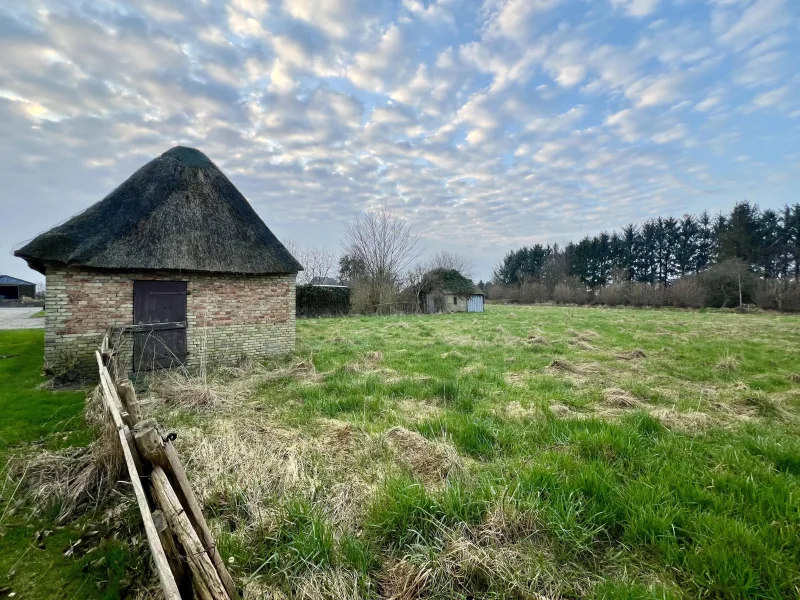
[758,248]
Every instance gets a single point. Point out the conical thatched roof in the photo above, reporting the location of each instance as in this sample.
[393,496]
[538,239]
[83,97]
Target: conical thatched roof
[178,212]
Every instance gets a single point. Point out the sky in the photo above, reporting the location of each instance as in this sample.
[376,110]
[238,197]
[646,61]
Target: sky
[488,125]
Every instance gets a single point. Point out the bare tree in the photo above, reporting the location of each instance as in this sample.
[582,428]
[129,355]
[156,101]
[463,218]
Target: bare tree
[455,262]
[317,262]
[385,245]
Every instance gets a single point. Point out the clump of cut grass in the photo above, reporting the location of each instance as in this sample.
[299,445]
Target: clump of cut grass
[452,354]
[688,422]
[632,355]
[431,462]
[728,363]
[538,339]
[76,478]
[794,377]
[619,398]
[559,365]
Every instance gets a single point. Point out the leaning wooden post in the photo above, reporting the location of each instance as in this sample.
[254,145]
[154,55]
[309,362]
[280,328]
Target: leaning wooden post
[128,397]
[159,557]
[206,581]
[153,448]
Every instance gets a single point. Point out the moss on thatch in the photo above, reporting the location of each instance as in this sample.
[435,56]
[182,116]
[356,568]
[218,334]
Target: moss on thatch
[449,281]
[178,212]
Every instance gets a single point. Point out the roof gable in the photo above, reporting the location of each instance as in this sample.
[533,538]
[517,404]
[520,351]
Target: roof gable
[9,280]
[177,212]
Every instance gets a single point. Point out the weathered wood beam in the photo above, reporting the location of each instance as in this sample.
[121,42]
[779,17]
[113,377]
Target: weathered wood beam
[156,549]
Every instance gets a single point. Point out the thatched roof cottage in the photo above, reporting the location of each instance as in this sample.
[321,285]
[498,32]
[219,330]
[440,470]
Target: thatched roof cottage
[178,261]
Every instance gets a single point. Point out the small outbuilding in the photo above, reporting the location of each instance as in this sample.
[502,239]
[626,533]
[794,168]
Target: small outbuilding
[447,290]
[12,288]
[177,262]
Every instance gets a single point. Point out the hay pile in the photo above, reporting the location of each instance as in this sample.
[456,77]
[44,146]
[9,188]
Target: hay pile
[619,398]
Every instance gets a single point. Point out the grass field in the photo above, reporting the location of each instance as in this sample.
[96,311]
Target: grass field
[37,420]
[528,452]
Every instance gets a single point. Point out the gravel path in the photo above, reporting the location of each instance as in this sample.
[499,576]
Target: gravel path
[20,318]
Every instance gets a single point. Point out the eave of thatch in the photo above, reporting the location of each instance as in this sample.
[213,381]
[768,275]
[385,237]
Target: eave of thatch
[178,212]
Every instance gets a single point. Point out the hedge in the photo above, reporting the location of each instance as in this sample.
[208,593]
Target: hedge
[322,301]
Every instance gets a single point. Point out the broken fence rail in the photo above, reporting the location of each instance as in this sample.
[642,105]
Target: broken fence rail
[184,553]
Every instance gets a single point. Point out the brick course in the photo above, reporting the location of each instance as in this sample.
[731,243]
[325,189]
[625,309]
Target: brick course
[228,316]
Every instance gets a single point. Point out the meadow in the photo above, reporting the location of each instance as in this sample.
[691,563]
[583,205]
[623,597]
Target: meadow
[527,452]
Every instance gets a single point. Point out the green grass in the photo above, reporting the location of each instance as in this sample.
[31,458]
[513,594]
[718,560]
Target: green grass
[561,452]
[32,561]
[38,315]
[691,492]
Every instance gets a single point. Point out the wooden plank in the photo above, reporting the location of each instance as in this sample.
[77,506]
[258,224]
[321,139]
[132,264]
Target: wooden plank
[206,581]
[156,549]
[129,402]
[155,326]
[153,448]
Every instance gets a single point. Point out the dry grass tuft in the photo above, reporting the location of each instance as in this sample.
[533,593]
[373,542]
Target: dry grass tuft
[431,461]
[584,345]
[373,358]
[727,363]
[564,366]
[794,377]
[686,422]
[537,339]
[632,355]
[619,398]
[452,353]
[515,410]
[77,478]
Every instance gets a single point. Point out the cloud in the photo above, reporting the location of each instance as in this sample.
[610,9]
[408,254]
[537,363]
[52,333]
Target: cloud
[505,122]
[636,8]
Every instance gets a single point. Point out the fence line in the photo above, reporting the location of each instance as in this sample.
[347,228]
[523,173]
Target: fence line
[184,552]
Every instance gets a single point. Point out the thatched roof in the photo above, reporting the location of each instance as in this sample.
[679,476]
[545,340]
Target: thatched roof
[447,280]
[178,212]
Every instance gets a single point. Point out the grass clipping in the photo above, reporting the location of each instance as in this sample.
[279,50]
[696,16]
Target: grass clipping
[77,478]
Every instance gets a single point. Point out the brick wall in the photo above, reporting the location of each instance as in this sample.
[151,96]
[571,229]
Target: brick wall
[228,316]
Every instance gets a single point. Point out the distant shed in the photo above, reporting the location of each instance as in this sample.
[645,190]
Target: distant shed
[177,261]
[12,288]
[447,290]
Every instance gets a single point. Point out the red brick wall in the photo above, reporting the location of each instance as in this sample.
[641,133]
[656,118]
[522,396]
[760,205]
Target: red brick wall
[227,316]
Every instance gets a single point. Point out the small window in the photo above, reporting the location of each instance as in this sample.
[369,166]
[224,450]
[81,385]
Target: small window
[455,299]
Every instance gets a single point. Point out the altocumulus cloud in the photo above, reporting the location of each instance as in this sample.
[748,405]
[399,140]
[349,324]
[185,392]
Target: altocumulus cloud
[488,125]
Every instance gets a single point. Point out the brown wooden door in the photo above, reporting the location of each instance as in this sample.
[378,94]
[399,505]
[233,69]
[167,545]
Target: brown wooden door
[159,317]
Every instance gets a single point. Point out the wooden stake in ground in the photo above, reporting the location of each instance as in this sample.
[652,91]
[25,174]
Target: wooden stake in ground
[207,583]
[159,557]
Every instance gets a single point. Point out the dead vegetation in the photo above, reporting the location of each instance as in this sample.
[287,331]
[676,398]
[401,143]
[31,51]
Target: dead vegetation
[75,478]
[619,398]
[431,462]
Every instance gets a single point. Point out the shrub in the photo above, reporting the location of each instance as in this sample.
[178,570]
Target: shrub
[572,292]
[612,295]
[322,301]
[644,294]
[534,293]
[687,292]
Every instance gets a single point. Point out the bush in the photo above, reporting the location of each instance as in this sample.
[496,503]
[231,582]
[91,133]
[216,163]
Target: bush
[322,301]
[687,292]
[535,293]
[777,294]
[612,295]
[645,294]
[572,292]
